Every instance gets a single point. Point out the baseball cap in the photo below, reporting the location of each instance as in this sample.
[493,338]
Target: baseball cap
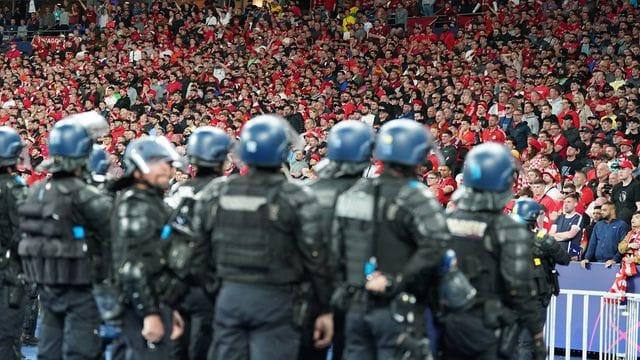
[625,164]
[587,128]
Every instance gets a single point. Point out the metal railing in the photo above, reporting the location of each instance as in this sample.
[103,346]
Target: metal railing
[616,323]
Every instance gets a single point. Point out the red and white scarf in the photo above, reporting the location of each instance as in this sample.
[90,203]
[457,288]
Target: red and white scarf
[619,286]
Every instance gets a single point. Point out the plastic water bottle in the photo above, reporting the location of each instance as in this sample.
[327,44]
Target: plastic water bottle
[370,267]
[449,261]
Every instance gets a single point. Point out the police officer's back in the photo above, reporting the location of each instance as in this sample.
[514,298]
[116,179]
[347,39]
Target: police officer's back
[388,234]
[494,252]
[139,254]
[12,193]
[547,252]
[266,235]
[65,223]
[207,151]
[349,151]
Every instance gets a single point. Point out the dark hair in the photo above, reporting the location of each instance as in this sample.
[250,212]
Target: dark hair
[574,196]
[526,191]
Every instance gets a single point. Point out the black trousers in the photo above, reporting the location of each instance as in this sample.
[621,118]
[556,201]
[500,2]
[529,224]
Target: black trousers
[31,311]
[10,325]
[310,352]
[136,346]
[70,324]
[197,312]
[254,322]
[371,334]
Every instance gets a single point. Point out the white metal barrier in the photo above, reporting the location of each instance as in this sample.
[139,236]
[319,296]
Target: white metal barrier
[612,317]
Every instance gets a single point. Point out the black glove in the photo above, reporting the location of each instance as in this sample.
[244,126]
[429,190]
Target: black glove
[539,348]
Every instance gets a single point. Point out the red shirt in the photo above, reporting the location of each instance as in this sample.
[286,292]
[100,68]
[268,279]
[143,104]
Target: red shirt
[561,141]
[586,197]
[496,135]
[13,53]
[448,181]
[174,86]
[574,116]
[551,206]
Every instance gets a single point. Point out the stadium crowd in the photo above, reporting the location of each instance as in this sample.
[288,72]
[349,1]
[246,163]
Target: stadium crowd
[557,81]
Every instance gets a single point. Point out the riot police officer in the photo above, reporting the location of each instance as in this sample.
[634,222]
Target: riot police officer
[139,225]
[207,151]
[349,150]
[12,192]
[267,239]
[64,225]
[388,235]
[494,252]
[546,254]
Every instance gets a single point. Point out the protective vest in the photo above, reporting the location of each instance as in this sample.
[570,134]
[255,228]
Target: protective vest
[252,236]
[188,256]
[370,233]
[54,249]
[472,240]
[326,192]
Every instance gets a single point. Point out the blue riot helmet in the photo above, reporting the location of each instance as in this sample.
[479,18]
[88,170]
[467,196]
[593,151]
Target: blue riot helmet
[141,152]
[99,161]
[94,124]
[208,146]
[487,178]
[527,209]
[69,147]
[403,142]
[265,140]
[489,167]
[10,146]
[70,140]
[350,141]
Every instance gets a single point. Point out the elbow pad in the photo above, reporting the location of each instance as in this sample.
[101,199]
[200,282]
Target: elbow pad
[516,255]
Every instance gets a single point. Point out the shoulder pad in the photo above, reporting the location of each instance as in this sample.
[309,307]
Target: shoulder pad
[18,189]
[546,240]
[296,193]
[213,189]
[136,218]
[134,203]
[357,202]
[90,191]
[95,198]
[517,218]
[182,192]
[509,230]
[355,205]
[67,186]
